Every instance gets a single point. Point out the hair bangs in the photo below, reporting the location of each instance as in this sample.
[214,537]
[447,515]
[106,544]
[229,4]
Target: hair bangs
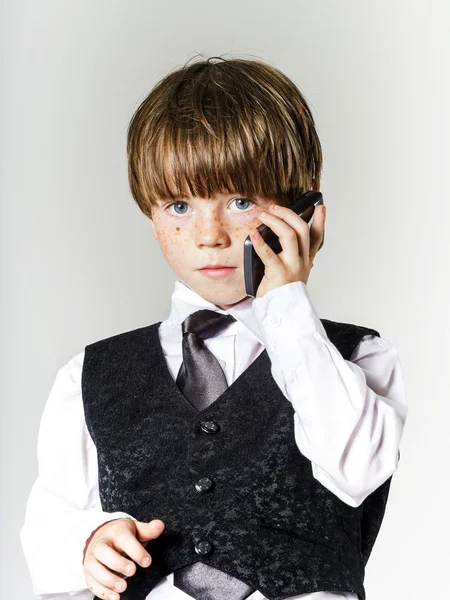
[216,128]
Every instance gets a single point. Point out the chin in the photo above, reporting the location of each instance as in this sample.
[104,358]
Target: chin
[222,297]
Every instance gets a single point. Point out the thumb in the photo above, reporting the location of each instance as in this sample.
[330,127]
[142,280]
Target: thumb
[149,531]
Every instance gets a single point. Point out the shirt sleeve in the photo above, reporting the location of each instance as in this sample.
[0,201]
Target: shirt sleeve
[349,414]
[63,508]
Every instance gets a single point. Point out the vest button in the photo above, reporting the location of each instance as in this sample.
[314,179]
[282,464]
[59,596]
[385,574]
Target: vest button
[204,484]
[209,427]
[203,548]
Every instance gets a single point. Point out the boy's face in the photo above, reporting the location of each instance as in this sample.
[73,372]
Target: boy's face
[195,232]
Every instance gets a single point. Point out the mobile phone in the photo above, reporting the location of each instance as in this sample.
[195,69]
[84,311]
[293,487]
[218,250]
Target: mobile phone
[304,206]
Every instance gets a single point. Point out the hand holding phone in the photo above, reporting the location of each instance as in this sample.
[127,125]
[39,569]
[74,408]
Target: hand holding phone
[254,268]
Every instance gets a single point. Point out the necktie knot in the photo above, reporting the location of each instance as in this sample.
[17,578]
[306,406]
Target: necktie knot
[206,323]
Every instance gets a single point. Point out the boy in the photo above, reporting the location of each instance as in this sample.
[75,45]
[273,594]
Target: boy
[242,448]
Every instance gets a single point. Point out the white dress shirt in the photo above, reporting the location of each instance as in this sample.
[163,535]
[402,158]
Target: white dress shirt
[349,418]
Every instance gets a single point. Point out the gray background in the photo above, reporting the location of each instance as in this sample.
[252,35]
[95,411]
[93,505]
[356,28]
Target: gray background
[78,262]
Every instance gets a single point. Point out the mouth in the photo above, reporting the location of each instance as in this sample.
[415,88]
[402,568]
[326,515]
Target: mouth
[217,271]
[211,266]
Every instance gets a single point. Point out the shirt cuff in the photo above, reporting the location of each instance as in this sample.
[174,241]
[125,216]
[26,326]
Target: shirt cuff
[287,313]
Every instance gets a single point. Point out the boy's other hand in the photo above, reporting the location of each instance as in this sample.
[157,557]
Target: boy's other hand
[299,243]
[107,551]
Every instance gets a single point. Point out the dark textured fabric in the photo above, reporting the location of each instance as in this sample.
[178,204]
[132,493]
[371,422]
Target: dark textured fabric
[202,380]
[270,523]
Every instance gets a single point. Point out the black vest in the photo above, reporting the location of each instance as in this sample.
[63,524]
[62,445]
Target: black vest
[230,475]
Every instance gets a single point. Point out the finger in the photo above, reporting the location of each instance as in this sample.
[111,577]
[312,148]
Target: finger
[292,230]
[288,238]
[113,560]
[317,230]
[104,576]
[269,258]
[126,541]
[149,531]
[100,590]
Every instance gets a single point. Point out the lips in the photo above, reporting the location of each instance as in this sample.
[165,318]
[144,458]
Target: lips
[216,267]
[217,272]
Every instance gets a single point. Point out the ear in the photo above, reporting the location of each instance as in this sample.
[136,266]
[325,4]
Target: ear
[155,235]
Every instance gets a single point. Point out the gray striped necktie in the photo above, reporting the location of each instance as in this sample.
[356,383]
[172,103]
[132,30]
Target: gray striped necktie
[202,381]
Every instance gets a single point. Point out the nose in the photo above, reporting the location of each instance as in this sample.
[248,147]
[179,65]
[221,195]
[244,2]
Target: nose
[212,231]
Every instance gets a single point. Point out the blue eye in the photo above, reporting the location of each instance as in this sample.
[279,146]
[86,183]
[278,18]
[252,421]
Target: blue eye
[181,203]
[242,200]
[178,204]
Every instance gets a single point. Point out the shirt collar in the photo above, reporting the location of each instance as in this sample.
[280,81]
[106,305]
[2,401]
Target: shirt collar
[185,301]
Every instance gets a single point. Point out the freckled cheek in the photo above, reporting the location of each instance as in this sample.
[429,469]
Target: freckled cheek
[172,240]
[242,231]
